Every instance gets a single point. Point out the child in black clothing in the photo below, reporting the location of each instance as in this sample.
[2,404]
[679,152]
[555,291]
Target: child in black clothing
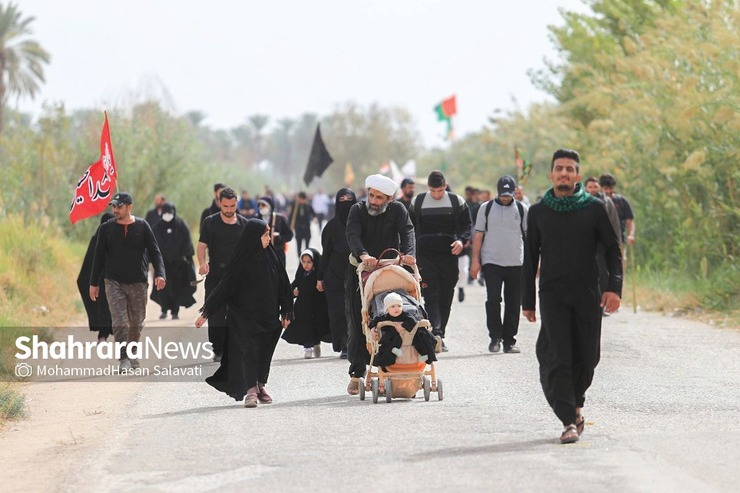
[311,314]
[390,339]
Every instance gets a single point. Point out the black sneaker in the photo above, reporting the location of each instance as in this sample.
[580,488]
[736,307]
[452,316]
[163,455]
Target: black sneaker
[512,349]
[495,346]
[343,354]
[444,347]
[163,315]
[175,316]
[481,281]
[460,295]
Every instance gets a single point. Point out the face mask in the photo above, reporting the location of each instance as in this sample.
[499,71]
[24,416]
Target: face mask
[167,217]
[264,211]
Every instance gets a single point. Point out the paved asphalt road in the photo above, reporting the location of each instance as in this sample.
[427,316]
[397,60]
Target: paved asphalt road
[663,415]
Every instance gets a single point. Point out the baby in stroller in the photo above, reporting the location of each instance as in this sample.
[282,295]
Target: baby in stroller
[390,335]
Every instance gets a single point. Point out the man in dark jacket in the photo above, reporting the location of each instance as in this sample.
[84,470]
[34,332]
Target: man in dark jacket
[563,232]
[121,253]
[372,226]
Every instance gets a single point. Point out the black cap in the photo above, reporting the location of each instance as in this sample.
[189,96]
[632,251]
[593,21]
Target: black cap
[122,198]
[506,186]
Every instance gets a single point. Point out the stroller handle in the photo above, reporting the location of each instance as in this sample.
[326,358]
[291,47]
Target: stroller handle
[393,250]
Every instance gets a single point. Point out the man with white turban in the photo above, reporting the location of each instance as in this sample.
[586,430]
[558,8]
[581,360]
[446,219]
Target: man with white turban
[372,226]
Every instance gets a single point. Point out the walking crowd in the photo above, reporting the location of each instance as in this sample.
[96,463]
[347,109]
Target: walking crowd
[574,240]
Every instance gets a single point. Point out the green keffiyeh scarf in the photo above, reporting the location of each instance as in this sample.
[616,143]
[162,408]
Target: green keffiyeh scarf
[578,200]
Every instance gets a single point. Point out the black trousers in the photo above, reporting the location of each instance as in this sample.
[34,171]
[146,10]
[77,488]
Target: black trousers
[257,348]
[357,353]
[302,237]
[217,327]
[511,280]
[568,347]
[337,318]
[438,280]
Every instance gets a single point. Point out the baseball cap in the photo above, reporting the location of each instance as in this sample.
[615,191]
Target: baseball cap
[506,185]
[122,198]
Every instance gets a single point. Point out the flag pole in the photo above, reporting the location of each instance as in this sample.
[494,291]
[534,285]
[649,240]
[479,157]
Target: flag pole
[632,272]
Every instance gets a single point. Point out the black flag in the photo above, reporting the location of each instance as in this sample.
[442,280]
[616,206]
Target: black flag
[318,160]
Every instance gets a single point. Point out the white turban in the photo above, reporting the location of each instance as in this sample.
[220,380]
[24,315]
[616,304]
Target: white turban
[382,184]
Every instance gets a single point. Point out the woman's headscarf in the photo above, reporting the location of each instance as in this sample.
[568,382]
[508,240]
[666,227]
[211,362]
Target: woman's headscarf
[315,256]
[342,208]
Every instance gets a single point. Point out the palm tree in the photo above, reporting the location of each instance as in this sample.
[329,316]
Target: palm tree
[21,59]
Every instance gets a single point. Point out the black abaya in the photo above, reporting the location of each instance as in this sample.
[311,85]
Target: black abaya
[257,291]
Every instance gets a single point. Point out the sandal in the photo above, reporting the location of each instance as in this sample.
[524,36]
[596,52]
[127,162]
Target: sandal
[580,423]
[250,400]
[570,435]
[354,386]
[263,396]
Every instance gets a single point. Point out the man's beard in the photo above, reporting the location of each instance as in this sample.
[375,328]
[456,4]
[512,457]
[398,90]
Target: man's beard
[373,211]
[564,188]
[228,214]
[409,195]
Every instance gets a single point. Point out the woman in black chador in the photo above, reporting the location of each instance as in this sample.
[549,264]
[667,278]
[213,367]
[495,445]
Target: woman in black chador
[257,291]
[98,313]
[333,268]
[310,323]
[176,245]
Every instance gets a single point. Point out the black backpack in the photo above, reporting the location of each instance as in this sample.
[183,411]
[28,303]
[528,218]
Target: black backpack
[519,206]
[420,200]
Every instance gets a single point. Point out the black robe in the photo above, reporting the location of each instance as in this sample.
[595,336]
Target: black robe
[333,266]
[176,246]
[257,291]
[98,313]
[310,323]
[569,343]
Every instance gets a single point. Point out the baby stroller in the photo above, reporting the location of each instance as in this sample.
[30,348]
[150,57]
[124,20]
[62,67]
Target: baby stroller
[407,375]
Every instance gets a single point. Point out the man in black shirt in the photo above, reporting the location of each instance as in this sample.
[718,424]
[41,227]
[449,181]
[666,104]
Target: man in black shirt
[121,251]
[219,234]
[563,232]
[372,226]
[153,216]
[213,208]
[408,187]
[300,222]
[442,224]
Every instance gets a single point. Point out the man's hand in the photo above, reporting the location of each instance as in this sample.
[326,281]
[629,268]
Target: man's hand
[200,321]
[94,292]
[295,292]
[530,315]
[160,283]
[285,322]
[457,247]
[203,269]
[610,301]
[408,260]
[630,240]
[475,269]
[320,286]
[369,261]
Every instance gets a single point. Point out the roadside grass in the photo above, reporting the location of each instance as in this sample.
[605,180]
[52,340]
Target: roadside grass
[676,294]
[38,291]
[12,404]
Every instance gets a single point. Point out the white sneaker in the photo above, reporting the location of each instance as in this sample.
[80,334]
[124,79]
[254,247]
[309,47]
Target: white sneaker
[125,365]
[308,353]
[317,351]
[135,363]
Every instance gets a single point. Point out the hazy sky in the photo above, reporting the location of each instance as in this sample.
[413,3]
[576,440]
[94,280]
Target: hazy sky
[231,59]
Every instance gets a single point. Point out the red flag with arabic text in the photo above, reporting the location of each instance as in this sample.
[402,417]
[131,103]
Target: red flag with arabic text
[96,186]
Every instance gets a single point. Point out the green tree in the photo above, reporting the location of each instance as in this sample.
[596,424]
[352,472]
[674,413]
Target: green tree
[21,59]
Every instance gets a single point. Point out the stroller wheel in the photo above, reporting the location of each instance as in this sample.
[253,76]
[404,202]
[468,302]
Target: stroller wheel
[388,390]
[427,388]
[376,392]
[440,393]
[362,389]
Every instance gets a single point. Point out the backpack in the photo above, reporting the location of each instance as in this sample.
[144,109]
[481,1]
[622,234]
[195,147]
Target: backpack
[519,206]
[420,200]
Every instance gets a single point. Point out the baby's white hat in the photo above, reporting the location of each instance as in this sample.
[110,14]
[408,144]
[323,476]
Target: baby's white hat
[392,299]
